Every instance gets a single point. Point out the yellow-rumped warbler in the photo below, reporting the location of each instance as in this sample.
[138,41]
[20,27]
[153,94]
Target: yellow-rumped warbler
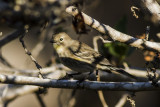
[80,57]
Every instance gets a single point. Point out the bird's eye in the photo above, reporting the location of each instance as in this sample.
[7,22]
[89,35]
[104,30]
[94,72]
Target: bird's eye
[61,39]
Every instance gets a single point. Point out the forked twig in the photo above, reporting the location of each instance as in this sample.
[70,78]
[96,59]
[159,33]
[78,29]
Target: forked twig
[29,54]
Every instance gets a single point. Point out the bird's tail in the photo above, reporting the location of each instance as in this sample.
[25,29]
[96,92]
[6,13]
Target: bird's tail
[125,73]
[121,71]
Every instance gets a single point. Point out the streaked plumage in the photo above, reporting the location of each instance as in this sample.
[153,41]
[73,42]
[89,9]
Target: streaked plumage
[80,57]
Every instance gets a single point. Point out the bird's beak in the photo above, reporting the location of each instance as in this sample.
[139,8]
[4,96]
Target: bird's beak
[52,41]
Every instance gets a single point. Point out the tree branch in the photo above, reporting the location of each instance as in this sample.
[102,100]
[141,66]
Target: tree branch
[92,85]
[114,34]
[122,101]
[54,72]
[101,97]
[16,91]
[10,37]
[42,104]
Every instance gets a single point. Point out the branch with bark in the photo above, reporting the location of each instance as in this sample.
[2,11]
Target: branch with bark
[59,71]
[91,85]
[114,34]
[6,39]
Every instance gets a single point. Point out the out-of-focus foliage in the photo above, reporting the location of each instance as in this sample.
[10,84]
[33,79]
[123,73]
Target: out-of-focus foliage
[18,13]
[117,49]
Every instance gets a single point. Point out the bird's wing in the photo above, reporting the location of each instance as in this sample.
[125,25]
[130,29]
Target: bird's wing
[88,54]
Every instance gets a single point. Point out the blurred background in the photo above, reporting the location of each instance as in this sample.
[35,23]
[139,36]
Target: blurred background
[46,17]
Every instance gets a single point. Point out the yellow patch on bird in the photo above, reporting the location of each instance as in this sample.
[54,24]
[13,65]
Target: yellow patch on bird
[59,48]
[82,60]
[78,59]
[55,46]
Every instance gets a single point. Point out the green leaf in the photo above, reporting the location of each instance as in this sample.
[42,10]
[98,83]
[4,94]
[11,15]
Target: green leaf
[117,49]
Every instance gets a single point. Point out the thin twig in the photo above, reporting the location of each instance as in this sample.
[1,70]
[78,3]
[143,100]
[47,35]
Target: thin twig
[41,42]
[42,104]
[39,47]
[101,97]
[4,61]
[126,66]
[105,41]
[29,54]
[59,98]
[32,72]
[147,32]
[6,39]
[133,8]
[122,101]
[132,102]
[95,44]
[15,92]
[72,100]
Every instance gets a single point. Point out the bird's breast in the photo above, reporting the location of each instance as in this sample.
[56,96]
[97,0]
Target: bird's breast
[59,49]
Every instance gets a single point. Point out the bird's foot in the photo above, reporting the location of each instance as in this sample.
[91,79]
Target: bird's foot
[79,82]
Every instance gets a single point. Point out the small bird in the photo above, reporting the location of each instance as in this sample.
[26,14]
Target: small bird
[80,57]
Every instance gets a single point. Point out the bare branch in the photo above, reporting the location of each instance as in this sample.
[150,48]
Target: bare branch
[42,39]
[114,34]
[96,38]
[54,73]
[11,37]
[40,100]
[31,72]
[92,85]
[101,97]
[122,101]
[4,61]
[72,100]
[29,54]
[19,91]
